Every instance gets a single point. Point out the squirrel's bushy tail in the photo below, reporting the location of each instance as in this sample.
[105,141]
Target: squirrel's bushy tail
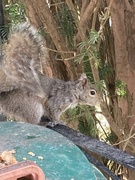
[21,57]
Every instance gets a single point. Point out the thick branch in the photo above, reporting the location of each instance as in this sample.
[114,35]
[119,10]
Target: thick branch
[80,30]
[85,17]
[95,14]
[84,6]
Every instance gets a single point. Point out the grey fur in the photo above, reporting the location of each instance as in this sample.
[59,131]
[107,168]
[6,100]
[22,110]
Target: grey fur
[25,94]
[21,58]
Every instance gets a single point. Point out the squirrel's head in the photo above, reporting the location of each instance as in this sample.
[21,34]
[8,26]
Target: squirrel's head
[86,93]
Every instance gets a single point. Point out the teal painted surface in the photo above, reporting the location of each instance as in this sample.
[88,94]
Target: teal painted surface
[61,158]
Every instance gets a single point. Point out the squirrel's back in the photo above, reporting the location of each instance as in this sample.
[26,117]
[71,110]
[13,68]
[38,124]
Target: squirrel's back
[21,57]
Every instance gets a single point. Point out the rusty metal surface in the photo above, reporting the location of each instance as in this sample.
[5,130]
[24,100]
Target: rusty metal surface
[21,170]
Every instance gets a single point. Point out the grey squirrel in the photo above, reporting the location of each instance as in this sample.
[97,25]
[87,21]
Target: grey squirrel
[25,93]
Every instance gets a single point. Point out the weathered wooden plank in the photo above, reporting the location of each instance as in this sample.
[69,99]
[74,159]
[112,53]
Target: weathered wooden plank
[97,146]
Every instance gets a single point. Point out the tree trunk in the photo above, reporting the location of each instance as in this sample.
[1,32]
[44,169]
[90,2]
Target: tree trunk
[61,55]
[122,16]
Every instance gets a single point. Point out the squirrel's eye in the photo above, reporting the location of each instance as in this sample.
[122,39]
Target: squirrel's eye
[92,92]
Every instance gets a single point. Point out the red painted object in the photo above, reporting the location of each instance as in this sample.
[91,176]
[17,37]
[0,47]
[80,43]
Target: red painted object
[25,170]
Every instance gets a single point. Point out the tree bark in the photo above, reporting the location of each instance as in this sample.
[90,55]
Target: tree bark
[45,17]
[122,16]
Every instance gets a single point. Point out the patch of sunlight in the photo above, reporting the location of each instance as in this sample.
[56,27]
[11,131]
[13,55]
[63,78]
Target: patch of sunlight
[102,125]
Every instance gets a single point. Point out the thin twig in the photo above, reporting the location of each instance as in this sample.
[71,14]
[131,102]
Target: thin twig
[126,144]
[54,50]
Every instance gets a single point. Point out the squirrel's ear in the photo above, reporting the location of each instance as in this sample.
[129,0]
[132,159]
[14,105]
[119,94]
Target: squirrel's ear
[82,81]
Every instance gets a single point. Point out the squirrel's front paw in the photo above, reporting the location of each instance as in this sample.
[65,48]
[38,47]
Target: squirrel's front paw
[54,123]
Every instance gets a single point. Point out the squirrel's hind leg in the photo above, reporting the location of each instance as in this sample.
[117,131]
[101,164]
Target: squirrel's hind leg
[21,106]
